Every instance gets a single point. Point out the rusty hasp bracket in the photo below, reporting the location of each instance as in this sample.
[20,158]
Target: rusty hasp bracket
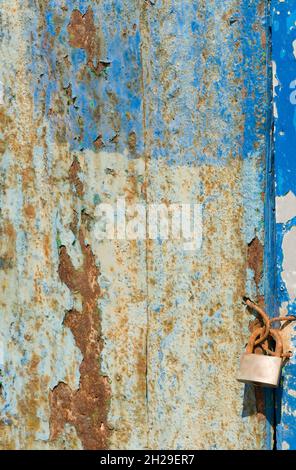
[263,367]
[267,331]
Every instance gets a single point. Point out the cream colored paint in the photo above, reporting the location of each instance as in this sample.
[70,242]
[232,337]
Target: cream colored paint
[123,303]
[181,330]
[192,358]
[275,83]
[294,48]
[289,262]
[286,211]
[285,208]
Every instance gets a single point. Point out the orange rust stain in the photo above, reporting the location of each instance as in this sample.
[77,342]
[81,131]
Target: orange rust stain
[9,230]
[7,248]
[82,31]
[46,245]
[255,259]
[132,142]
[29,211]
[74,178]
[87,408]
[263,39]
[2,146]
[29,404]
[5,120]
[83,35]
[141,372]
[98,143]
[28,176]
[260,8]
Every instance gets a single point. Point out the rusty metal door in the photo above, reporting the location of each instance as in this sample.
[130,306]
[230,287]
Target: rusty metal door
[131,343]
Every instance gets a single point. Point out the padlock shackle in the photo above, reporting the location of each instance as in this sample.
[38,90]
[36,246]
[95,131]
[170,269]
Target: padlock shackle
[251,344]
[264,331]
[279,347]
[279,339]
[276,336]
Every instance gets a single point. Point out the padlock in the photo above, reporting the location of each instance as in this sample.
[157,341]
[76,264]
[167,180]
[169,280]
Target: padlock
[261,369]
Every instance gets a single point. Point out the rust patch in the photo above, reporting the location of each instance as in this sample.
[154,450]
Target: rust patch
[98,143]
[29,211]
[7,247]
[2,146]
[255,259]
[46,245]
[28,406]
[83,34]
[82,31]
[87,408]
[74,178]
[132,142]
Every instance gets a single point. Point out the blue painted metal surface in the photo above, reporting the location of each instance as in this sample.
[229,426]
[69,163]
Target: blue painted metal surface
[210,116]
[130,344]
[284,81]
[269,222]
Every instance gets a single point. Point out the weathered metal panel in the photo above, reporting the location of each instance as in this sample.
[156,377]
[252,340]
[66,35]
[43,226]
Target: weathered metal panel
[206,104]
[129,343]
[284,81]
[74,308]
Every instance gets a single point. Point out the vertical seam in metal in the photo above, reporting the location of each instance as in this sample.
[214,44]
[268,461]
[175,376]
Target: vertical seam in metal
[141,20]
[269,216]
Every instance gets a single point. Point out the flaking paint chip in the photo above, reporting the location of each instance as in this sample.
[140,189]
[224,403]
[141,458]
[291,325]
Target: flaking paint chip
[285,208]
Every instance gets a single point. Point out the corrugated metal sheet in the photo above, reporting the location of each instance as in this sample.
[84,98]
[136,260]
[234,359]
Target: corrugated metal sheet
[130,344]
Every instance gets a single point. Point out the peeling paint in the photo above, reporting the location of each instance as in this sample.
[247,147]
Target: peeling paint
[284,37]
[275,85]
[86,409]
[189,110]
[289,264]
[255,259]
[121,343]
[285,208]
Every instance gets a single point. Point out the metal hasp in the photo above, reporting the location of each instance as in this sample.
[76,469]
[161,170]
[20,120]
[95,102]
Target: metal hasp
[263,368]
[284,87]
